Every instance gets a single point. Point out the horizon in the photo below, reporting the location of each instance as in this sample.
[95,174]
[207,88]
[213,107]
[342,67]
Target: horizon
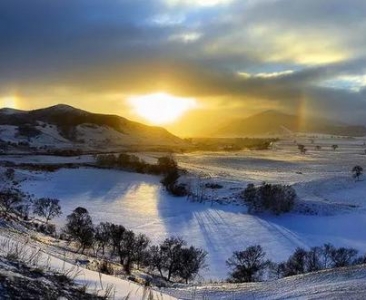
[301,122]
[184,65]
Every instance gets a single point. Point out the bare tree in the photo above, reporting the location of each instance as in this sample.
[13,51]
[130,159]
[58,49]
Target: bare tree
[47,208]
[80,228]
[247,265]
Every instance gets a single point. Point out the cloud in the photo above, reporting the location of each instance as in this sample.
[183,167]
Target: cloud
[198,2]
[237,56]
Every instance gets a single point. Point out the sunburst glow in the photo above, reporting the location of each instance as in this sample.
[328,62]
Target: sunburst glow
[8,101]
[161,108]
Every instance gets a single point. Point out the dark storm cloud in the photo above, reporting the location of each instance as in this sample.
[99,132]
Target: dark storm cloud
[38,36]
[136,46]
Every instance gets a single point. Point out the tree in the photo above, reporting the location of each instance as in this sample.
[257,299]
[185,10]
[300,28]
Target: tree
[166,164]
[296,263]
[79,227]
[47,208]
[116,235]
[166,257]
[276,270]
[123,242]
[326,252]
[10,198]
[141,245]
[127,249]
[170,180]
[171,249]
[335,147]
[357,172]
[343,257]
[250,198]
[171,258]
[102,236]
[313,259]
[247,265]
[157,259]
[191,261]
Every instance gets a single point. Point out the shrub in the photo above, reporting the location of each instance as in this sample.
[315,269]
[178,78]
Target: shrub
[275,198]
[105,267]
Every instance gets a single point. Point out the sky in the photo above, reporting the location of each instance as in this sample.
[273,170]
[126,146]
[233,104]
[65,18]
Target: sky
[225,58]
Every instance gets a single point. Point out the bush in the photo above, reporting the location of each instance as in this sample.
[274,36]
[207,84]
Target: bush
[105,267]
[275,198]
[28,130]
[11,198]
[49,229]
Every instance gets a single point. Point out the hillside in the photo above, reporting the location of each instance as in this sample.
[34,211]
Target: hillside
[278,123]
[63,126]
[342,283]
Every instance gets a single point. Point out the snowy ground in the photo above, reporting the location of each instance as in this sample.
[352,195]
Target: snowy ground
[321,178]
[344,283]
[42,257]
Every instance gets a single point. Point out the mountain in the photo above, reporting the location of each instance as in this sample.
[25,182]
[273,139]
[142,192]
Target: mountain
[63,126]
[278,123]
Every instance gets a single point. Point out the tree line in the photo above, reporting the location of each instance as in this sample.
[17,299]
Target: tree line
[171,259]
[165,166]
[251,265]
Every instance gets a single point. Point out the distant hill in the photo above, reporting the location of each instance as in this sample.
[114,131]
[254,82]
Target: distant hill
[278,123]
[62,126]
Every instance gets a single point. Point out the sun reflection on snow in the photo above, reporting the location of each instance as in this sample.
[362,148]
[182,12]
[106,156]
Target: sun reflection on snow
[140,199]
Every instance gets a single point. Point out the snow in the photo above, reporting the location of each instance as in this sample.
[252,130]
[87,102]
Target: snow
[83,277]
[10,111]
[322,180]
[344,283]
[47,159]
[138,202]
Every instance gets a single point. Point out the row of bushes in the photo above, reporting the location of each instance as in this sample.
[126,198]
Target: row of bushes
[166,166]
[133,163]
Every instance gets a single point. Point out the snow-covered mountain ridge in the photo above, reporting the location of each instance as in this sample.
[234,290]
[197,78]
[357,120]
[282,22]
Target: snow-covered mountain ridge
[63,126]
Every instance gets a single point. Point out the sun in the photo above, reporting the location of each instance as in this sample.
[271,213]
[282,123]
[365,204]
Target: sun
[161,108]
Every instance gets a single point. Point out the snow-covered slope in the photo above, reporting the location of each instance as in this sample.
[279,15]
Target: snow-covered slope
[138,202]
[63,126]
[344,283]
[29,249]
